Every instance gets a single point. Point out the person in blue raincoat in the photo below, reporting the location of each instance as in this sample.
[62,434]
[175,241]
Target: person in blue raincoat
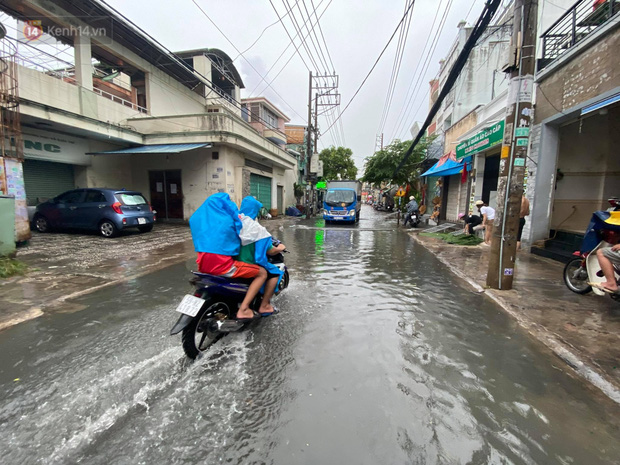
[215,228]
[256,245]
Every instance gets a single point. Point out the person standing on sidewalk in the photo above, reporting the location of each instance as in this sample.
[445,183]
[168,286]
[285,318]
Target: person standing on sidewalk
[525,211]
[488,216]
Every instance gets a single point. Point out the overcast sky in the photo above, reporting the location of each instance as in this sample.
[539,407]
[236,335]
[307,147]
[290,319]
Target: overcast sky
[355,33]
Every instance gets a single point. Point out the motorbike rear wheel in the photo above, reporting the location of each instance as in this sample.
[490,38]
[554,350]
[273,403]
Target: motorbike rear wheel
[199,335]
[576,276]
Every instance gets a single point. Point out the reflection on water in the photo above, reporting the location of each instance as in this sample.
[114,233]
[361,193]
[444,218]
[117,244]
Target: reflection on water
[378,356]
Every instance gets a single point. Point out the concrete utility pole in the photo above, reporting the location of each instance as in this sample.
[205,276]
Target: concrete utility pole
[514,148]
[308,144]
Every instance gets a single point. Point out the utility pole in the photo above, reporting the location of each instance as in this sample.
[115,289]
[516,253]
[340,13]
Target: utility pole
[514,148]
[308,143]
[325,98]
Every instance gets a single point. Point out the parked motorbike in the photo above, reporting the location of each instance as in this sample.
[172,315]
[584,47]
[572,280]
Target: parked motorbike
[210,313]
[603,231]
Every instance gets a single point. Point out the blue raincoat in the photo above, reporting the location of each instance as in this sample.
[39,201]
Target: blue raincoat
[216,226]
[250,208]
[597,223]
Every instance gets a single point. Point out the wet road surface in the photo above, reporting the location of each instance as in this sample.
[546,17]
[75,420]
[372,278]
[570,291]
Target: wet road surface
[379,356]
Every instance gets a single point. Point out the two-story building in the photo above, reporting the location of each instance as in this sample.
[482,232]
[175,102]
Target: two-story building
[124,111]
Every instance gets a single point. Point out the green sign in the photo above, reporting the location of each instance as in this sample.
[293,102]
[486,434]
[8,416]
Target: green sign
[484,140]
[522,132]
[321,185]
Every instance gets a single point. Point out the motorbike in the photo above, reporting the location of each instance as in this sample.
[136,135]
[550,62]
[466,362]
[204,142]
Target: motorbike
[210,313]
[412,218]
[584,268]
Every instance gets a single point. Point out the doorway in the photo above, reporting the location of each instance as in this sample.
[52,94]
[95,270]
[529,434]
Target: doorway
[166,194]
[489,182]
[280,200]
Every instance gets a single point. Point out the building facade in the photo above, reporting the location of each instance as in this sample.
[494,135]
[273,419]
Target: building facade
[124,112]
[572,166]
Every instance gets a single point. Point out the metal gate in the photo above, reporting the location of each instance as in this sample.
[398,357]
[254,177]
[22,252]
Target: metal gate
[44,180]
[260,187]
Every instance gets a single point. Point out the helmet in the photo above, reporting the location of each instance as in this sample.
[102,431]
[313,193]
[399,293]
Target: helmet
[479,203]
[411,198]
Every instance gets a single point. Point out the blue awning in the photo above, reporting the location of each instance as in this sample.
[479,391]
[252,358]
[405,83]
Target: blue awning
[448,168]
[163,148]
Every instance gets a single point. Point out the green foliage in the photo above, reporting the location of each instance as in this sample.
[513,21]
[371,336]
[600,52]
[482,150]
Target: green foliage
[381,166]
[298,191]
[463,239]
[10,267]
[338,163]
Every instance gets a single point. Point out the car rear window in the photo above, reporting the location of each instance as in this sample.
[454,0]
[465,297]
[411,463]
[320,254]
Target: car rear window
[131,199]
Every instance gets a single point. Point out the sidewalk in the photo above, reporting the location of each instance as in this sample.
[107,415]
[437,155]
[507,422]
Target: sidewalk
[66,265]
[582,330]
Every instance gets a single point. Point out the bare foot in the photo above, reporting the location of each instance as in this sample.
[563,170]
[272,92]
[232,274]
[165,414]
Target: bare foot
[611,286]
[266,308]
[245,313]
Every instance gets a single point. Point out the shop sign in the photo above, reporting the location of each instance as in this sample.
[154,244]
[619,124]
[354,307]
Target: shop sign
[48,146]
[481,141]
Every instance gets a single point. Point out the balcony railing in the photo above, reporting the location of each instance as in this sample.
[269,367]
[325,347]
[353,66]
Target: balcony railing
[583,18]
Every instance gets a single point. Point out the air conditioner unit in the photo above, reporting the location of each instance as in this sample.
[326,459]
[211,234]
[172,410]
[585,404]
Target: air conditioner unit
[513,55]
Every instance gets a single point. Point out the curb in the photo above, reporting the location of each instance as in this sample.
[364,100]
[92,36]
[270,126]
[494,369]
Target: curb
[558,348]
[35,312]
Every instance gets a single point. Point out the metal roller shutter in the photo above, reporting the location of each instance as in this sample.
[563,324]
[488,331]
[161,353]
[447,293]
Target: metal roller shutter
[44,180]
[260,187]
[453,195]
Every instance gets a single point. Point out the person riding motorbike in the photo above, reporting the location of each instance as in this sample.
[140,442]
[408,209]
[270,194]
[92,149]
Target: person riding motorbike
[215,229]
[256,244]
[412,207]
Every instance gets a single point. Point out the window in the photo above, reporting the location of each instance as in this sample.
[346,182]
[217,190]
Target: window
[131,199]
[337,197]
[95,196]
[215,155]
[70,197]
[271,120]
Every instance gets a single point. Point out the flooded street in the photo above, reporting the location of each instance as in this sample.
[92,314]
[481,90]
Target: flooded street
[379,355]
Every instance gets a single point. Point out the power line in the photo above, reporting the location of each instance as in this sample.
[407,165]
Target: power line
[374,65]
[248,62]
[260,35]
[418,82]
[484,19]
[402,41]
[283,52]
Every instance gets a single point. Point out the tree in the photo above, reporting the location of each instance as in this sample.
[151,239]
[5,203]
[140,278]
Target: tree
[338,163]
[381,166]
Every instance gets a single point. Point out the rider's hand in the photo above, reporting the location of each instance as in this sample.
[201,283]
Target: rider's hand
[615,248]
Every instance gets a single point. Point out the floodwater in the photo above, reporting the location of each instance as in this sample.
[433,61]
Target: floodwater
[379,356]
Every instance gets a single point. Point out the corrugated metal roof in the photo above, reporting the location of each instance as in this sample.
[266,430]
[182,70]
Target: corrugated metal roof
[163,148]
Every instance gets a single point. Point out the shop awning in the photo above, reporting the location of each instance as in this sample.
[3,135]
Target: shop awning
[601,104]
[163,148]
[447,166]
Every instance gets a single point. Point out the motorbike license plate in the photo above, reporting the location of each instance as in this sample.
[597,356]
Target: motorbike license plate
[190,305]
[141,220]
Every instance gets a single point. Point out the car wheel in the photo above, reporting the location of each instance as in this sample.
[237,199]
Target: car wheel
[41,223]
[107,228]
[145,229]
